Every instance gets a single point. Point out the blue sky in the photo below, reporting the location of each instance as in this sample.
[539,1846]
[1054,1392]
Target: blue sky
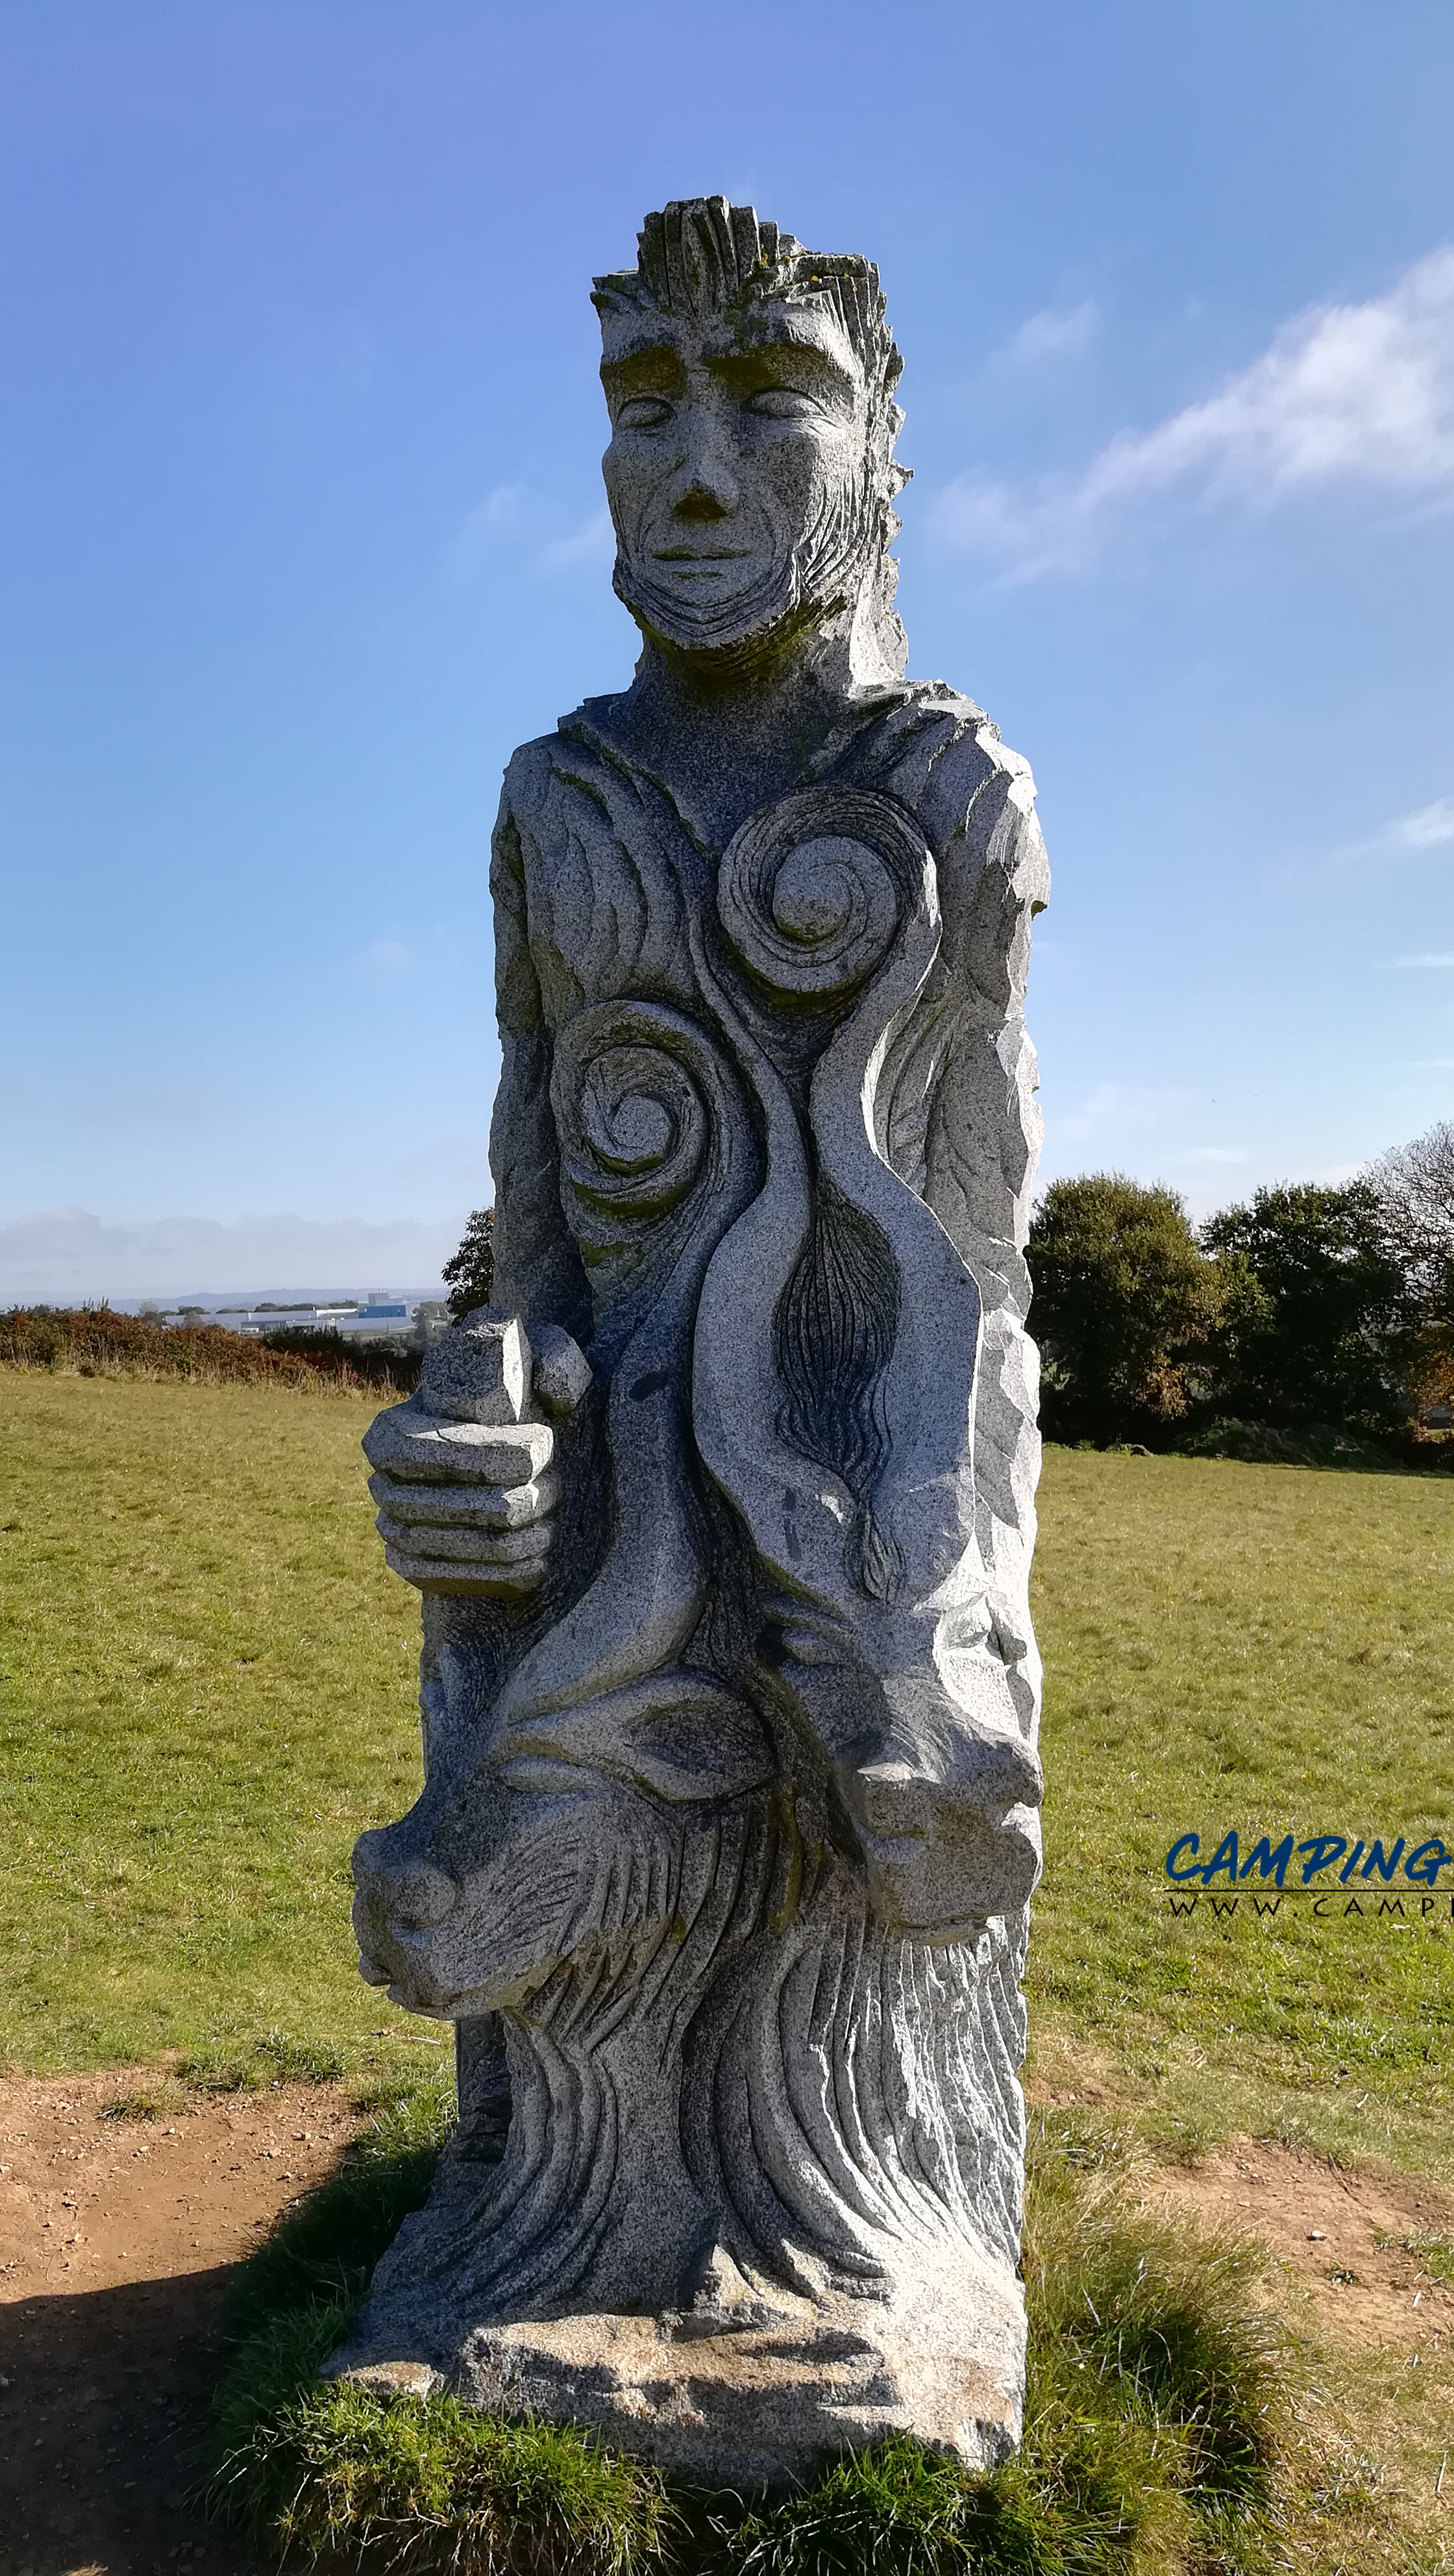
[301,532]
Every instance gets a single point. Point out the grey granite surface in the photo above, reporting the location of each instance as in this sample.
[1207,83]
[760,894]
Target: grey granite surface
[723,1517]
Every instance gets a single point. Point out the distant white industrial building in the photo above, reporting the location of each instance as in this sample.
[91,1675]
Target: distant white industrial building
[379,1317]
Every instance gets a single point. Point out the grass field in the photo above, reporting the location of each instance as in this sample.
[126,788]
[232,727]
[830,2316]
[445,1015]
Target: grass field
[207,1687]
[1266,1649]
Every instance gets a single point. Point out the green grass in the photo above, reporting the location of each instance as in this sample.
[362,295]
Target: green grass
[1157,2424]
[1175,2424]
[288,2304]
[309,2466]
[1262,1648]
[1158,2431]
[207,1688]
[443,2486]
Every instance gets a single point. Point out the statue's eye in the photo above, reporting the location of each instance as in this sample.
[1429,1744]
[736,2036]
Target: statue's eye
[781,402]
[643,411]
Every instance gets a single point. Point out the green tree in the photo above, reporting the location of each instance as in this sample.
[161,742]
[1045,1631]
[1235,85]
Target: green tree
[1316,1313]
[1414,1187]
[1125,1302]
[469,1274]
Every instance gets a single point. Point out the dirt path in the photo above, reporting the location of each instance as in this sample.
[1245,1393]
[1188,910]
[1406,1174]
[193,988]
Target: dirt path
[116,2240]
[117,2237]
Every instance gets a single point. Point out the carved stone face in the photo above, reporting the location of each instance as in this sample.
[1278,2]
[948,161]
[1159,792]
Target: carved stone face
[737,471]
[480,1912]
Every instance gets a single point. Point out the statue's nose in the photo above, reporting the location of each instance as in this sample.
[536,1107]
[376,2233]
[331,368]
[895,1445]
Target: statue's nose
[405,1896]
[699,502]
[416,1899]
[706,487]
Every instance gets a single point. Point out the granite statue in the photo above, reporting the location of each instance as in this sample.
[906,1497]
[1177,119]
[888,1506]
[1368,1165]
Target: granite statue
[722,1515]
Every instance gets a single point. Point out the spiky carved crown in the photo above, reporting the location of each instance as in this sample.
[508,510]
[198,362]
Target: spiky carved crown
[701,255]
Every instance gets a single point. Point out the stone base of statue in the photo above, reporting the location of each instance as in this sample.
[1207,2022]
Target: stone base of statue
[737,2214]
[743,2387]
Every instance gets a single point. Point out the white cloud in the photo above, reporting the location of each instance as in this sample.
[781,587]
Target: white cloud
[499,514]
[66,1256]
[594,541]
[1115,1104]
[529,523]
[1430,957]
[1347,396]
[1053,335]
[1430,828]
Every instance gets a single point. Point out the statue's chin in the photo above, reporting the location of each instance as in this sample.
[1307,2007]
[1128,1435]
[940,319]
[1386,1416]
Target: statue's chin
[735,636]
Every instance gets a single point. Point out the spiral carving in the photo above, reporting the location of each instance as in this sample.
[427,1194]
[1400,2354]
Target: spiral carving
[812,894]
[633,1125]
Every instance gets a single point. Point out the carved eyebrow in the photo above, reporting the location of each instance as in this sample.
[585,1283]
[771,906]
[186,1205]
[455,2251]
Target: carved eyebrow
[783,355]
[654,367]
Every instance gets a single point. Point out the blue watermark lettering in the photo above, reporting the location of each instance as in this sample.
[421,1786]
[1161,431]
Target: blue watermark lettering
[1224,1857]
[1272,1864]
[1324,1848]
[1426,1863]
[1359,1861]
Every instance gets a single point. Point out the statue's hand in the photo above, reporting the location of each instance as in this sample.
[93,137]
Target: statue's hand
[463,1476]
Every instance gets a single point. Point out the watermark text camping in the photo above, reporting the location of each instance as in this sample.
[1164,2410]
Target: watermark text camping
[1395,1878]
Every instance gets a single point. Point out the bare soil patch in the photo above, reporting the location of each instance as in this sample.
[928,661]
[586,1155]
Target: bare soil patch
[117,2237]
[1345,2237]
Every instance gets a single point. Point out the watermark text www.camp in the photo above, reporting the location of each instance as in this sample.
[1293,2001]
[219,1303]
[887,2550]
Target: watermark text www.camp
[1323,1904]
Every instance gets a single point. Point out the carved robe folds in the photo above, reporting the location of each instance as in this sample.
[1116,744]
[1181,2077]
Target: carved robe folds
[724,1855]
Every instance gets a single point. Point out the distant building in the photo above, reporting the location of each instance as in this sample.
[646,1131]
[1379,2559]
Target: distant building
[380,1319]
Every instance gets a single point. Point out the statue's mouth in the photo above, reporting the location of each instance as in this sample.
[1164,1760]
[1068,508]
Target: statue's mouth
[701,554]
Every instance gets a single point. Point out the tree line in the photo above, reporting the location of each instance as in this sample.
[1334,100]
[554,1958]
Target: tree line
[1306,1306]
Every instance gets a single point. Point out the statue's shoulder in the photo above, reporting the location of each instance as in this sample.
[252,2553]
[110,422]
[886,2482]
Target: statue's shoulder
[529,778]
[937,752]
[540,771]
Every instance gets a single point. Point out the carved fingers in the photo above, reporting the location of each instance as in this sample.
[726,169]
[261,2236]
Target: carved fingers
[463,1474]
[438,1559]
[417,1447]
[493,1537]
[468,1507]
